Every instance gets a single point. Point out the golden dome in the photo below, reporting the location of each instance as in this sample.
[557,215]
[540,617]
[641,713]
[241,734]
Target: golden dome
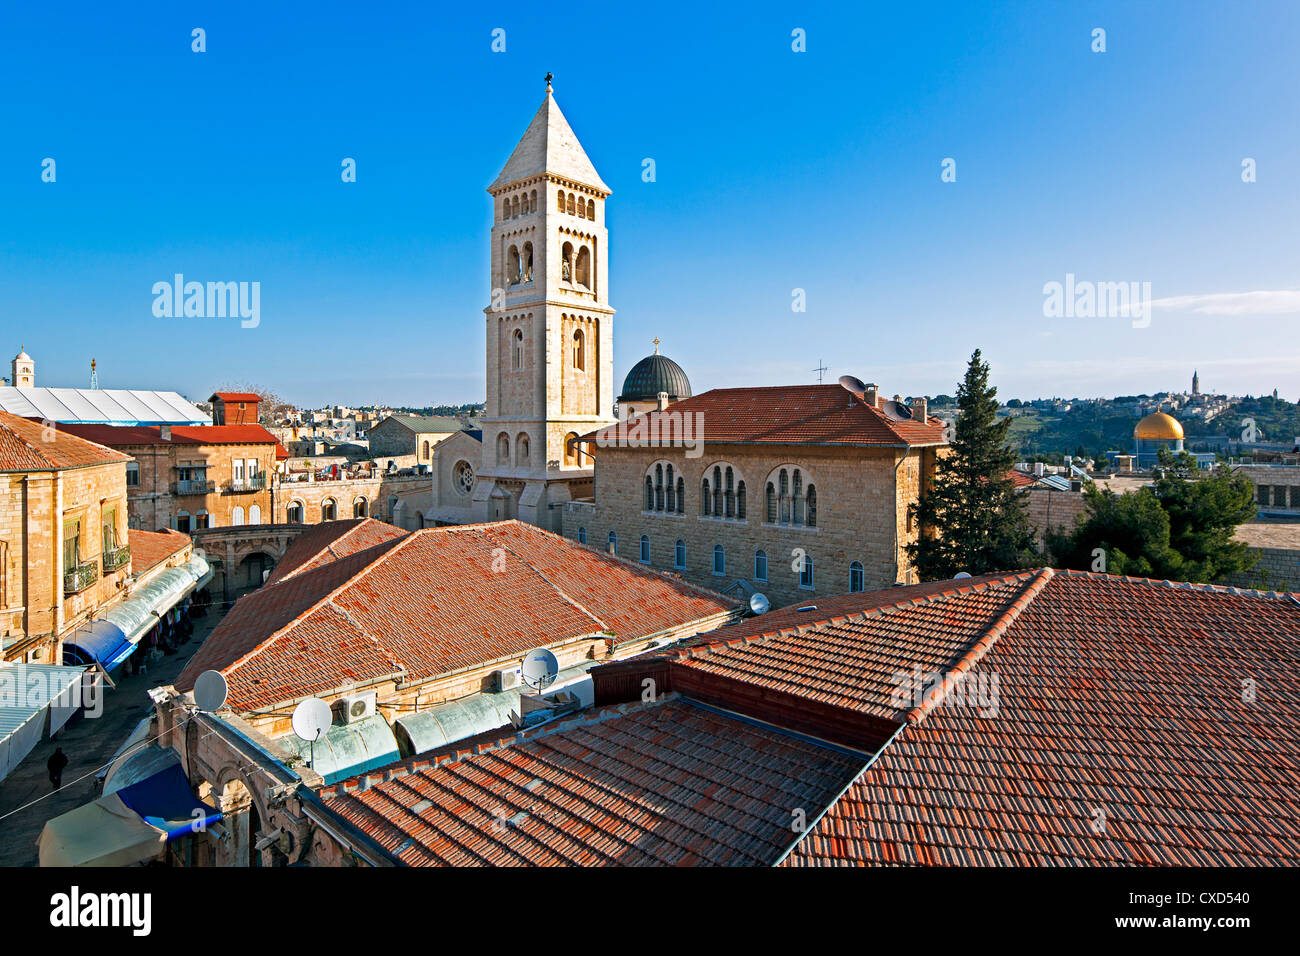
[1159,426]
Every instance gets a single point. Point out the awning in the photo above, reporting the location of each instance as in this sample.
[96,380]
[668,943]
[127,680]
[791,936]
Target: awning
[35,699]
[134,821]
[136,616]
[101,641]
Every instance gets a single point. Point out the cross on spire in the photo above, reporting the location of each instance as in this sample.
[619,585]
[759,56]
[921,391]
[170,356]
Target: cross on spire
[656,341]
[548,82]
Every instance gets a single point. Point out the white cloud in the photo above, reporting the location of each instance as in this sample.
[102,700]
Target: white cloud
[1278,302]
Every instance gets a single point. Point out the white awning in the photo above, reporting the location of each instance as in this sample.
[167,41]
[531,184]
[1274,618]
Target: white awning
[34,699]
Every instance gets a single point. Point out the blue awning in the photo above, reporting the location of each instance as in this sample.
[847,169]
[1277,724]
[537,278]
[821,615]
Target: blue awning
[101,641]
[165,800]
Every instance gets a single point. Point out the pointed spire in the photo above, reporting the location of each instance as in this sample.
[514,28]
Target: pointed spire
[549,145]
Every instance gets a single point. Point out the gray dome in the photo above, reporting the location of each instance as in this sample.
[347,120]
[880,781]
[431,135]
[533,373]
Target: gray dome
[652,375]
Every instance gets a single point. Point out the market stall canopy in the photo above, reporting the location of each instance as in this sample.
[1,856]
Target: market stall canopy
[35,700]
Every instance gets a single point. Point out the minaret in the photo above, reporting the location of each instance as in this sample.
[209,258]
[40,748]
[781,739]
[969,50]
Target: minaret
[1196,383]
[550,329]
[24,369]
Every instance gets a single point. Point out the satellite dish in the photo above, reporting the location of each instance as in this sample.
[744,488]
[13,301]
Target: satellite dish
[961,574]
[312,719]
[210,691]
[854,385]
[759,604]
[896,411]
[538,668]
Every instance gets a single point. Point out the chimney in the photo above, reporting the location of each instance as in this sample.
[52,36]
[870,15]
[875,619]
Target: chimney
[921,409]
[663,400]
[873,395]
[166,432]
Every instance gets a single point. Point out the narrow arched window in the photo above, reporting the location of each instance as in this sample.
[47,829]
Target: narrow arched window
[582,210]
[503,450]
[731,494]
[717,492]
[806,575]
[517,350]
[704,497]
[740,501]
[681,496]
[566,262]
[514,207]
[559,201]
[672,488]
[760,565]
[570,204]
[812,506]
[784,495]
[719,559]
[582,535]
[857,580]
[649,494]
[522,448]
[613,543]
[770,516]
[513,268]
[645,549]
[579,350]
[679,554]
[527,264]
[796,498]
[591,209]
[659,487]
[505,209]
[582,271]
[532,202]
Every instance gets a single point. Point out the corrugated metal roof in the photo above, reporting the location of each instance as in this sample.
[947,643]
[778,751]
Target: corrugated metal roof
[115,406]
[347,749]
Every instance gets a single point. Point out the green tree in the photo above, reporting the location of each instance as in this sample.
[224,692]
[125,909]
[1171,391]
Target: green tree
[972,518]
[1204,511]
[1118,534]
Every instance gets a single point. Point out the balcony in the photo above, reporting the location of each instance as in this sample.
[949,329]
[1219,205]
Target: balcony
[80,578]
[117,558]
[192,487]
[255,483]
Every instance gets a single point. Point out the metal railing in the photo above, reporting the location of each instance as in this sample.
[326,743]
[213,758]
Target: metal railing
[255,483]
[80,577]
[117,558]
[193,487]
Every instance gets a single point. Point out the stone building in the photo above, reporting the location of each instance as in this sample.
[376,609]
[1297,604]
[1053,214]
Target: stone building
[791,491]
[550,336]
[401,435]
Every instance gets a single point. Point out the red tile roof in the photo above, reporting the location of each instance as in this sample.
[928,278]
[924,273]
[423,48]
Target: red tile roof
[27,445]
[235,396]
[151,548]
[667,783]
[328,541]
[1123,734]
[435,601]
[118,435]
[787,414]
[1020,479]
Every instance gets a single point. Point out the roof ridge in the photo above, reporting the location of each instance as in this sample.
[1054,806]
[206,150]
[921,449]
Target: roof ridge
[1033,587]
[551,584]
[398,665]
[1233,589]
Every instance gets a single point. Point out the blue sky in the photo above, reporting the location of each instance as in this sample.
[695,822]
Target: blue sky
[776,170]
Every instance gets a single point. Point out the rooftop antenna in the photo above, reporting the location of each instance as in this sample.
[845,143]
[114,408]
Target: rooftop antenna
[855,387]
[210,691]
[539,669]
[94,375]
[820,370]
[311,719]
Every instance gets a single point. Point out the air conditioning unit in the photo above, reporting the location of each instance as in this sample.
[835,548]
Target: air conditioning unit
[505,678]
[357,707]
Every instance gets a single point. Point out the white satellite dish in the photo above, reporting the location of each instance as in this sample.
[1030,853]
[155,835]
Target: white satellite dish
[312,719]
[538,668]
[759,603]
[210,691]
[961,574]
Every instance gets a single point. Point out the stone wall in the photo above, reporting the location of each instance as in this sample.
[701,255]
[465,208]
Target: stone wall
[1278,569]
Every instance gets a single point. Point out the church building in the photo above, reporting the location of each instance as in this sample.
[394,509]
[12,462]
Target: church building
[550,335]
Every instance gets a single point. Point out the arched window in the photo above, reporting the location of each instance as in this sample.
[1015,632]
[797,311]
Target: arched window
[613,543]
[645,549]
[672,503]
[649,493]
[572,454]
[517,350]
[522,449]
[559,201]
[679,554]
[360,508]
[806,575]
[582,535]
[532,202]
[505,209]
[513,269]
[570,204]
[582,210]
[719,559]
[740,501]
[426,450]
[582,272]
[659,487]
[717,492]
[329,510]
[760,565]
[812,506]
[591,209]
[770,516]
[295,513]
[503,449]
[731,494]
[514,207]
[857,580]
[783,493]
[527,264]
[681,496]
[705,500]
[566,262]
[796,498]
[254,515]
[236,515]
[579,350]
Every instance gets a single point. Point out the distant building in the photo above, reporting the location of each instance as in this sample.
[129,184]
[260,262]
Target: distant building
[1160,430]
[416,435]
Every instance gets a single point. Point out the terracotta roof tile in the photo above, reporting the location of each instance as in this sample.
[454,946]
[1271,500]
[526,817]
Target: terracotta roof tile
[26,445]
[151,548]
[328,541]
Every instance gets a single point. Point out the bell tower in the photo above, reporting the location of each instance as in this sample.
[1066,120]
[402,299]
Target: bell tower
[550,327]
[24,369]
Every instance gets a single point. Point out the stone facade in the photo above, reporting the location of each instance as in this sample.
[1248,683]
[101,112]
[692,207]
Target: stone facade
[1052,509]
[1277,487]
[187,487]
[1278,569]
[39,604]
[862,497]
[311,502]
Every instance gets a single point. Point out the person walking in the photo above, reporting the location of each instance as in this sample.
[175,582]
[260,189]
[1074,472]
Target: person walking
[58,760]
